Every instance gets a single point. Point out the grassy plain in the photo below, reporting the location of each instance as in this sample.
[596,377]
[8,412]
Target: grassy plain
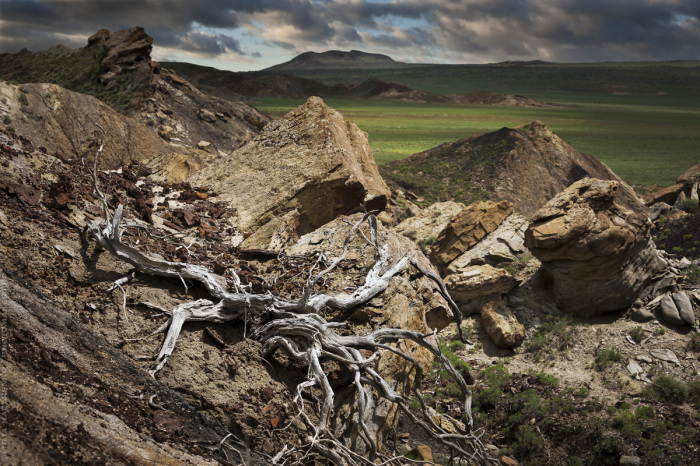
[641,119]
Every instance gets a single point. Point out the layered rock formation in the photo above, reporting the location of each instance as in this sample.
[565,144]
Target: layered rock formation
[299,173]
[467,228]
[67,122]
[596,250]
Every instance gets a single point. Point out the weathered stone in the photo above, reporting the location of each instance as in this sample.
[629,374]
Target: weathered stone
[508,461]
[423,452]
[664,354]
[597,252]
[642,315]
[206,115]
[203,145]
[166,132]
[658,209]
[504,244]
[501,325]
[627,460]
[685,307]
[666,195]
[478,281]
[680,200]
[467,228]
[429,222]
[669,311]
[312,160]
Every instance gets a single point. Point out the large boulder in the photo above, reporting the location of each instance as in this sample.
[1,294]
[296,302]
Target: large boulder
[501,325]
[468,228]
[429,222]
[312,161]
[478,281]
[505,244]
[598,252]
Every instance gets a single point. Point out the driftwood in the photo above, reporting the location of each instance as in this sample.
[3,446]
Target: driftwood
[298,329]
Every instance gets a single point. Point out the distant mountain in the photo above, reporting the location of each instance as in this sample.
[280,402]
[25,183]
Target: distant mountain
[334,59]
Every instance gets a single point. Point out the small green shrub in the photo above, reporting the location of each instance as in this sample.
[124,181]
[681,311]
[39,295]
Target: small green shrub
[690,206]
[424,243]
[23,99]
[667,388]
[607,357]
[7,120]
[554,334]
[694,343]
[637,334]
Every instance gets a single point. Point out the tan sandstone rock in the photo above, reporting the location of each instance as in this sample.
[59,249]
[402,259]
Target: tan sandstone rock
[597,251]
[501,325]
[312,160]
[429,222]
[478,281]
[467,228]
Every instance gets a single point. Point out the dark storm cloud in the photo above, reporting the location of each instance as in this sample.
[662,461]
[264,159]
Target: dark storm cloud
[467,30]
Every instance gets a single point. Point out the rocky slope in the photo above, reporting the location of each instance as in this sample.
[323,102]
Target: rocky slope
[117,69]
[500,166]
[60,289]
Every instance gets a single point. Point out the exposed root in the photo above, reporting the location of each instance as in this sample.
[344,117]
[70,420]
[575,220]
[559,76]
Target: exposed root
[297,328]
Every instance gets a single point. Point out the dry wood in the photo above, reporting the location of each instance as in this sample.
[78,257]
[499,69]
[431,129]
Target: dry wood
[298,329]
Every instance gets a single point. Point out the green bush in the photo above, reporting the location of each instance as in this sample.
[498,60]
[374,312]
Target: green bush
[690,206]
[694,344]
[7,120]
[607,357]
[554,334]
[667,388]
[637,334]
[23,99]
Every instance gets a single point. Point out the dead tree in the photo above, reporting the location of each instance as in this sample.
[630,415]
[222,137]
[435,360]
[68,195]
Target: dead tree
[298,329]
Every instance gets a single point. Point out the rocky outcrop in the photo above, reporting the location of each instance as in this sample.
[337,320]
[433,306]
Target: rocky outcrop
[527,166]
[501,325]
[505,244]
[66,122]
[100,403]
[126,52]
[429,222]
[479,281]
[311,161]
[597,251]
[468,228]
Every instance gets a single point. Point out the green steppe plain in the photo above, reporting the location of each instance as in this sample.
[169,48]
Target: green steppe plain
[641,119]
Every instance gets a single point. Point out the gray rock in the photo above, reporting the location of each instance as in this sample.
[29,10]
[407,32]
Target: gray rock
[658,209]
[642,315]
[685,308]
[664,354]
[634,368]
[669,311]
[630,460]
[504,244]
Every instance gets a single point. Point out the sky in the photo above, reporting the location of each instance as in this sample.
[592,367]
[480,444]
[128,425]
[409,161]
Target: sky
[248,35]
